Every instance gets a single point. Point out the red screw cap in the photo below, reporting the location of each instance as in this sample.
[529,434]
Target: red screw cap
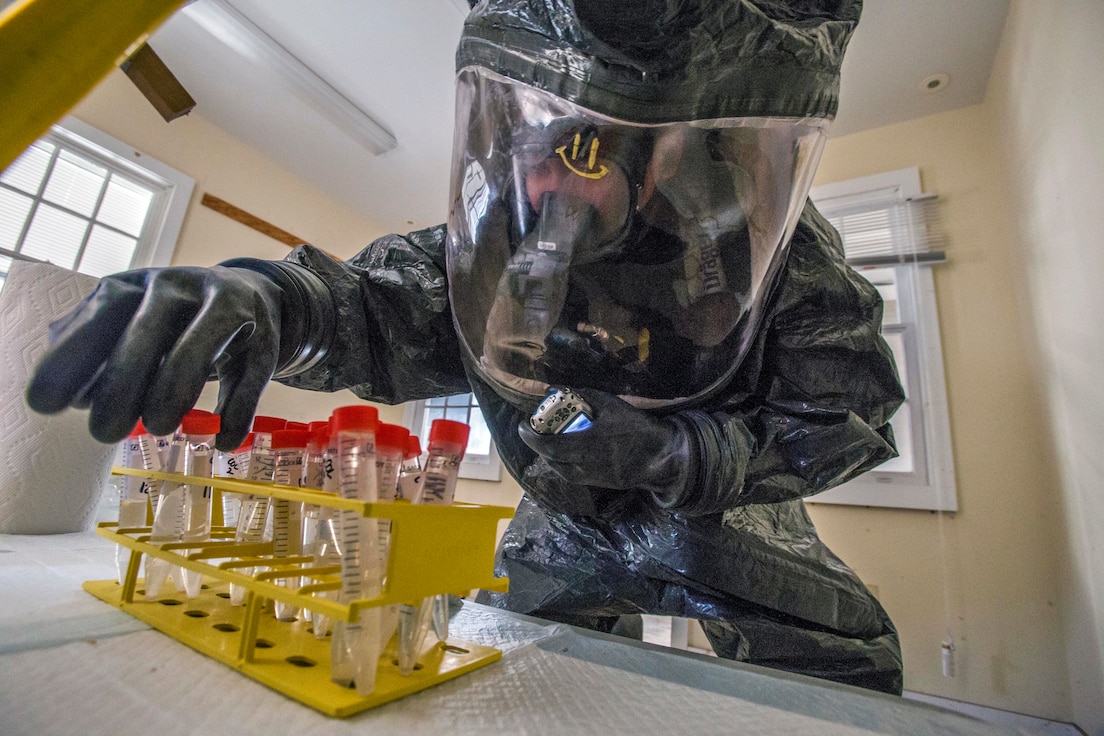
[283,439]
[357,418]
[446,430]
[197,422]
[392,437]
[320,433]
[268,424]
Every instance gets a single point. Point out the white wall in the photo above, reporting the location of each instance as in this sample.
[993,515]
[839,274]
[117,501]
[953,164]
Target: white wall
[1018,572]
[990,574]
[1046,99]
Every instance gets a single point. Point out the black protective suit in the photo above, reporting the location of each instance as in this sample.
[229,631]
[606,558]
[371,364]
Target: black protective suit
[809,409]
[804,406]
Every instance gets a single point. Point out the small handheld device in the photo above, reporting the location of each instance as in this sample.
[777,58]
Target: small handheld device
[562,411]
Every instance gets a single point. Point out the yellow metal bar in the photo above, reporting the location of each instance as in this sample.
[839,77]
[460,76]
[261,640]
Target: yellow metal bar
[231,549]
[250,625]
[394,510]
[216,508]
[287,493]
[53,52]
[289,568]
[320,587]
[130,580]
[245,561]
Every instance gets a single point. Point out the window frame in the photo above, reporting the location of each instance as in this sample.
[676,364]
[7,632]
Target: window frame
[486,467]
[172,189]
[931,484]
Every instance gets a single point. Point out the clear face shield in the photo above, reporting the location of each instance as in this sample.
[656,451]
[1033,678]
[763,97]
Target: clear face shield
[590,252]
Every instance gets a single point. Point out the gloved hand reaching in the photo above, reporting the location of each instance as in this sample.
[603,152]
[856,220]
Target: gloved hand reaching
[144,343]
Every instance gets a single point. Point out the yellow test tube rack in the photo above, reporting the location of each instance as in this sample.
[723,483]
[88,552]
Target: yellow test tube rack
[433,550]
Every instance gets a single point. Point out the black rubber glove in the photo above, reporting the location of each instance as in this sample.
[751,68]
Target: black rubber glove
[625,449]
[145,342]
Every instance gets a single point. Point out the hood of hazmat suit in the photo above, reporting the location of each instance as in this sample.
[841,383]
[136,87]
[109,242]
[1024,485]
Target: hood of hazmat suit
[626,180]
[629,215]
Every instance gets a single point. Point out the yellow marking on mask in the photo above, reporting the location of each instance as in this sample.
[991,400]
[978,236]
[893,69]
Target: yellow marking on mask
[592,159]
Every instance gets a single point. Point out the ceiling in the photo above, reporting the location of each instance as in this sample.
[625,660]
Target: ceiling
[394,60]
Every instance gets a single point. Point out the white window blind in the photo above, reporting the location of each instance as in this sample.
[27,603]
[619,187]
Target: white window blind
[892,223]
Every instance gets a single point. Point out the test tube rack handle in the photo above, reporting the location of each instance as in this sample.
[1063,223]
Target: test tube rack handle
[433,550]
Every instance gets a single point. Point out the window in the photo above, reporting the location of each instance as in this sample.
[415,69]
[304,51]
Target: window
[887,226]
[82,200]
[481,460]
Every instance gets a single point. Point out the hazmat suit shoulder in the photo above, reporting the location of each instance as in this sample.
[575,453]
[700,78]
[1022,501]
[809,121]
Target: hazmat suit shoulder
[394,338]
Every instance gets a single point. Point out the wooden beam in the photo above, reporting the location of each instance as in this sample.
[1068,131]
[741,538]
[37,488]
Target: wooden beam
[261,226]
[158,84]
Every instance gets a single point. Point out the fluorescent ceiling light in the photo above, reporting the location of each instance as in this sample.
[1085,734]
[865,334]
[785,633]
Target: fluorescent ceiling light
[229,25]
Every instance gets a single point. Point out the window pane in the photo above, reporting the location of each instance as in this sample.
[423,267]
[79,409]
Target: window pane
[125,205]
[891,314]
[460,408]
[13,213]
[479,442]
[107,252]
[75,183]
[54,236]
[431,413]
[26,172]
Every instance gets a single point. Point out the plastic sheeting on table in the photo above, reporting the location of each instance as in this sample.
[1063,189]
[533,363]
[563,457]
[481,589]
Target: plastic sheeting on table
[552,679]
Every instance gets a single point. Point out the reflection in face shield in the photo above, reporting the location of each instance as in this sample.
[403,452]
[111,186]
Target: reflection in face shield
[633,259]
[533,286]
[577,164]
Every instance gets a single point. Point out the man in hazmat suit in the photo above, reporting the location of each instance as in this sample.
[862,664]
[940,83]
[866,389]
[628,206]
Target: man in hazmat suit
[628,221]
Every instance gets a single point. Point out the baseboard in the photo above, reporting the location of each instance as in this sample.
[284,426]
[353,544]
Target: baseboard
[1027,724]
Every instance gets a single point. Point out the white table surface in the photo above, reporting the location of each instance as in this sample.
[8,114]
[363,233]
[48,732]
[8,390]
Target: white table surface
[71,664]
